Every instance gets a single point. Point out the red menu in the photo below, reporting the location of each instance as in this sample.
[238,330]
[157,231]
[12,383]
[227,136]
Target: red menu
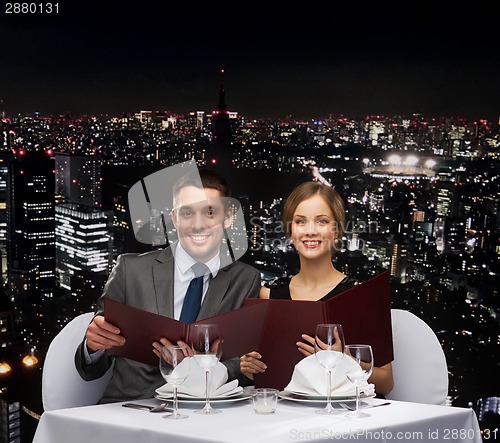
[241,330]
[364,311]
[272,327]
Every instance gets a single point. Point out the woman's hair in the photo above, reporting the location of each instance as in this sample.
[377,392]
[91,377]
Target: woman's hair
[307,190]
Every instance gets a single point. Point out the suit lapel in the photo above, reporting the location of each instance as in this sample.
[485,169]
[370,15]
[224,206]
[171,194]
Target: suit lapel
[163,281]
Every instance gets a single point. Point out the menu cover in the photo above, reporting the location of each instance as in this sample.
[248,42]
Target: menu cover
[364,311]
[241,330]
[271,327]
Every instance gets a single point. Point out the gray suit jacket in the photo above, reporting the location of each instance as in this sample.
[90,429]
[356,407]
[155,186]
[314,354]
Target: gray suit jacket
[146,281]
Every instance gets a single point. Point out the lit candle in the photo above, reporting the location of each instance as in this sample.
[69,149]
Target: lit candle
[264,408]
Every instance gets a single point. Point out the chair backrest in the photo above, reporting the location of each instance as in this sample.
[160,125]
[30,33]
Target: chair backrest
[419,367]
[62,386]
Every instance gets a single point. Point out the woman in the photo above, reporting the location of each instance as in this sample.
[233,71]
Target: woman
[314,220]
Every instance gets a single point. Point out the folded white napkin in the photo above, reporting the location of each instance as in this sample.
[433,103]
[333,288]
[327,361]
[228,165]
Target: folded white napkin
[309,378]
[194,385]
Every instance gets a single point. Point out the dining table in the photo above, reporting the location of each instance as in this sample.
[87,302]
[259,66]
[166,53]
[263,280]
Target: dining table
[292,421]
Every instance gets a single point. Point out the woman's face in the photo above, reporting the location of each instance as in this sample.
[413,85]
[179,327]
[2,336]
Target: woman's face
[314,228]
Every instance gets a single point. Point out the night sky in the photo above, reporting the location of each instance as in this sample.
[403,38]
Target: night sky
[306,61]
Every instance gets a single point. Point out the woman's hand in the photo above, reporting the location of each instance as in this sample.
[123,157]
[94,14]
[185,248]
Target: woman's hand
[307,346]
[251,364]
[157,347]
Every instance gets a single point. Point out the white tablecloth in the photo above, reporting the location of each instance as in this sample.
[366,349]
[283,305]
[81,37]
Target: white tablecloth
[292,422]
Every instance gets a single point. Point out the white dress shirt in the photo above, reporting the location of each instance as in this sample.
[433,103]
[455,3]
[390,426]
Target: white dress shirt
[183,274]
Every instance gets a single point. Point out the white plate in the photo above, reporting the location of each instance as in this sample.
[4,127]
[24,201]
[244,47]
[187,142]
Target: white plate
[287,395]
[198,400]
[232,393]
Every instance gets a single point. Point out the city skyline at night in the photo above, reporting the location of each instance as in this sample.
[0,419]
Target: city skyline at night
[421,196]
[397,110]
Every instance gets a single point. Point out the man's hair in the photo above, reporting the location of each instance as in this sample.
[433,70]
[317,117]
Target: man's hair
[204,178]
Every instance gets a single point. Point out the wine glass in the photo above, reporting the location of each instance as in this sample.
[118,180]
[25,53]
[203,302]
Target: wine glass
[206,343]
[174,367]
[357,374]
[329,351]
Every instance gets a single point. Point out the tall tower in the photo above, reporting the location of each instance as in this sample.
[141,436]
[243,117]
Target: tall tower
[220,155]
[84,251]
[78,179]
[84,231]
[3,210]
[31,225]
[447,196]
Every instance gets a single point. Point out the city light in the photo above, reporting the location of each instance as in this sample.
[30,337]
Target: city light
[30,360]
[5,368]
[411,160]
[395,159]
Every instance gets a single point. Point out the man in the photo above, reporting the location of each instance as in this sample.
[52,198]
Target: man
[158,282]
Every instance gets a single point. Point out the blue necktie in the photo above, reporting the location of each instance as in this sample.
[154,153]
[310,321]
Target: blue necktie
[192,300]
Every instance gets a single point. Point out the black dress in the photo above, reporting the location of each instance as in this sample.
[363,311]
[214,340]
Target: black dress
[280,288]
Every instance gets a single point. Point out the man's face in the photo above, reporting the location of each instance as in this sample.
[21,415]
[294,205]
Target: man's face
[199,217]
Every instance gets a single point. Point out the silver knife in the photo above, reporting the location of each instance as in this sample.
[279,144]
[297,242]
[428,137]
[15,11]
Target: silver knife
[157,408]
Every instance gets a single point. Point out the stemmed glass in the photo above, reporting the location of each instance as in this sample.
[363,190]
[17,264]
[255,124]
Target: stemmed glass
[206,343]
[363,356]
[329,351]
[174,367]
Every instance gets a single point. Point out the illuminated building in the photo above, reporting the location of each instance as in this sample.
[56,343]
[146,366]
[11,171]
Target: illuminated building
[84,236]
[376,202]
[84,239]
[3,214]
[7,319]
[144,117]
[447,196]
[375,130]
[399,260]
[10,420]
[488,405]
[78,179]
[454,236]
[31,224]
[438,233]
[197,119]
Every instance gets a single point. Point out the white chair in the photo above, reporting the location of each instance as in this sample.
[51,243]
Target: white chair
[419,367]
[62,386]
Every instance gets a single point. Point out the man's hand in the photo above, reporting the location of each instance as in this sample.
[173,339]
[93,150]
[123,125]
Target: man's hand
[102,335]
[251,364]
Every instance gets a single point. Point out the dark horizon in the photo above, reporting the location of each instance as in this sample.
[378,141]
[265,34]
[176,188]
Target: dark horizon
[202,95]
[93,58]
[73,113]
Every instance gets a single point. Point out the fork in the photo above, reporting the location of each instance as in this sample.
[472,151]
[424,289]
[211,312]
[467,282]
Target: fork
[350,408]
[158,408]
